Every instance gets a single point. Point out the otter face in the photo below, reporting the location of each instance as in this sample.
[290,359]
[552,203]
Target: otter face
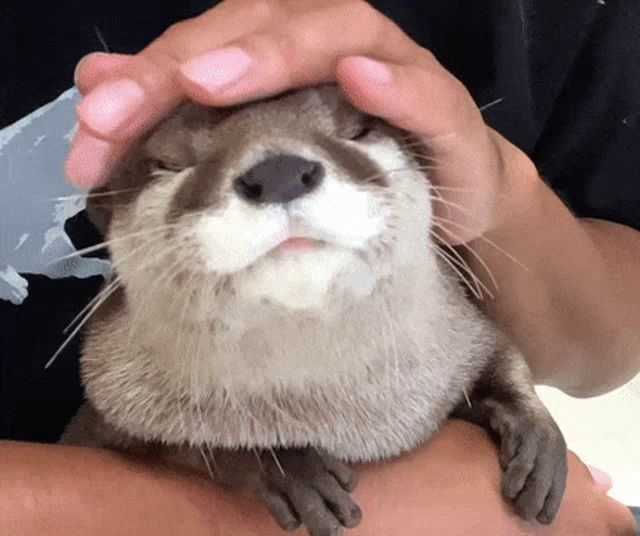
[297,201]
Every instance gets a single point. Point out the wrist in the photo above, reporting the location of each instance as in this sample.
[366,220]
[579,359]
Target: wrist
[521,191]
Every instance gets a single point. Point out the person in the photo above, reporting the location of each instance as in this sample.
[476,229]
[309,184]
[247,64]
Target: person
[561,87]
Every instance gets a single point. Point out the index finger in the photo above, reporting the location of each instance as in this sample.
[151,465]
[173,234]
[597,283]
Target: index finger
[144,89]
[141,89]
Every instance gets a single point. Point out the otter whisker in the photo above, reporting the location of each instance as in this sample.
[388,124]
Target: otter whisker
[100,38]
[449,203]
[185,303]
[257,455]
[491,104]
[439,196]
[115,281]
[462,263]
[93,195]
[452,189]
[78,328]
[216,469]
[422,159]
[453,256]
[488,241]
[167,275]
[389,172]
[277,461]
[90,313]
[474,253]
[206,462]
[195,393]
[394,341]
[107,243]
[453,266]
[97,297]
[466,396]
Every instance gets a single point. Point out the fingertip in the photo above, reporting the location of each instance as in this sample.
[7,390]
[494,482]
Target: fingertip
[95,67]
[113,108]
[367,70]
[206,76]
[89,160]
[367,83]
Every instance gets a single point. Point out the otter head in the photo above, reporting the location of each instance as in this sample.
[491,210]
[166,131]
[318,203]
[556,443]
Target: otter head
[298,202]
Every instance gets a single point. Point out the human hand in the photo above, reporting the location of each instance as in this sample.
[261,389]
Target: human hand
[246,49]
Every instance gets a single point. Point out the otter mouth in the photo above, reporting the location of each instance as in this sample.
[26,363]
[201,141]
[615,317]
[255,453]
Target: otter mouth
[296,244]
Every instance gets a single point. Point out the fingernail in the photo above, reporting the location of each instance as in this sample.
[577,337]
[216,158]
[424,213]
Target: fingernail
[109,107]
[374,71]
[601,478]
[88,160]
[216,69]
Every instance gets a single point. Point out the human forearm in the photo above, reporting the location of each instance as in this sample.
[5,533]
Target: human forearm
[450,486]
[574,305]
[69,491]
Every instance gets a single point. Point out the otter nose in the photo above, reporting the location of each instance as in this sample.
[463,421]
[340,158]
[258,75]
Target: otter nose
[279,179]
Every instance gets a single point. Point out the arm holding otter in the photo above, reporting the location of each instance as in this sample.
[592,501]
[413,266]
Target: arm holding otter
[451,486]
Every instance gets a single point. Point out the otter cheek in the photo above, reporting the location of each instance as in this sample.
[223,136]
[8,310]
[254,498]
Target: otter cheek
[238,235]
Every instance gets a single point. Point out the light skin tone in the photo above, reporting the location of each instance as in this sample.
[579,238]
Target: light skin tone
[583,340]
[72,491]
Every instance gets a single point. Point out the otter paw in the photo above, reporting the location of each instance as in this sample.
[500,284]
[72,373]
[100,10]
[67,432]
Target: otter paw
[305,486]
[534,463]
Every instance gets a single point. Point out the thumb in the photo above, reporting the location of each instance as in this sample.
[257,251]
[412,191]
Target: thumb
[422,97]
[472,164]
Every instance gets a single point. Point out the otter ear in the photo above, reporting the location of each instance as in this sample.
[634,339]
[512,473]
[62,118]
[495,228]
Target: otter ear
[99,208]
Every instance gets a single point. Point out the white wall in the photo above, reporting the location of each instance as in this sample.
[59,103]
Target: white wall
[605,432]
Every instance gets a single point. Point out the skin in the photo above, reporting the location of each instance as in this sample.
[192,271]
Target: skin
[291,44]
[73,491]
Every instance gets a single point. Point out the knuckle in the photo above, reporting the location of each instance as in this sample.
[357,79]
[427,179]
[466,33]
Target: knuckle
[160,58]
[461,102]
[266,10]
[361,11]
[301,37]
[377,26]
[426,58]
[176,31]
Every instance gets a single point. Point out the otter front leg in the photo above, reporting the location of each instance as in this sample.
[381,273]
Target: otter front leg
[298,486]
[533,453]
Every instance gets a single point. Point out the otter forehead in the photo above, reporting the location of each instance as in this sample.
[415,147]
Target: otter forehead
[220,145]
[300,115]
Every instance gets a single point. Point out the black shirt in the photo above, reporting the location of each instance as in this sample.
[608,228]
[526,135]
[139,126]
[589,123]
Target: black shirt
[567,71]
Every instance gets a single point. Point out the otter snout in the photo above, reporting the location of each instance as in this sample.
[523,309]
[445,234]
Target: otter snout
[298,200]
[279,179]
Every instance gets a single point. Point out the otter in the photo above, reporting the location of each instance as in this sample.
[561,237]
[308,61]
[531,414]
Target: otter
[280,309]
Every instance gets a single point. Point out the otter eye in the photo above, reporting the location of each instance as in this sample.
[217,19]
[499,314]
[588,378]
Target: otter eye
[362,133]
[161,165]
